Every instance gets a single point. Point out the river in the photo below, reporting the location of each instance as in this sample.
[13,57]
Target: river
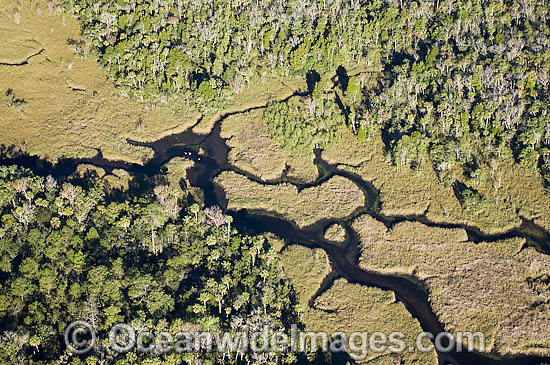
[344,259]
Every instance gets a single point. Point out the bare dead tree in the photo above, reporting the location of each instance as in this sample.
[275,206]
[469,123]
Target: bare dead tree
[214,216]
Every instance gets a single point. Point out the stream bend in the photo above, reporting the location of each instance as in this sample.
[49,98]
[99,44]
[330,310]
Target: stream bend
[410,291]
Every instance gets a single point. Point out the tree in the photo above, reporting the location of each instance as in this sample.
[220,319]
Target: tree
[228,220]
[195,209]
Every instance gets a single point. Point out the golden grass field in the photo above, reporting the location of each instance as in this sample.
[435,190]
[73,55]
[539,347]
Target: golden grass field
[176,170]
[349,307]
[497,288]
[335,198]
[72,109]
[117,179]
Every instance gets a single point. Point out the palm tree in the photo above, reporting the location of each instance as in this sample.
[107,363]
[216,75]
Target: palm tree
[228,220]
[195,210]
[125,223]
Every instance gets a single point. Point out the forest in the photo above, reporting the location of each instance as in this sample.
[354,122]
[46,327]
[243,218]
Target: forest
[69,252]
[455,87]
[460,85]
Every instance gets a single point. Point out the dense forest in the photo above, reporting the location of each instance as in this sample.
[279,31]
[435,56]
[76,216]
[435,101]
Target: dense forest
[69,253]
[459,84]
[304,123]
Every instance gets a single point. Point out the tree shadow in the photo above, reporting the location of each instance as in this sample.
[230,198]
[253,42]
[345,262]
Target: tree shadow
[312,78]
[343,78]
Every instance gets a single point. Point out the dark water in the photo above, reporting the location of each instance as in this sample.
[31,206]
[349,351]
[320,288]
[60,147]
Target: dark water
[344,258]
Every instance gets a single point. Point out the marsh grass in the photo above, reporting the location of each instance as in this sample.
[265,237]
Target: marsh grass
[335,233]
[334,198]
[72,109]
[407,192]
[306,268]
[472,286]
[257,94]
[176,176]
[349,307]
[253,150]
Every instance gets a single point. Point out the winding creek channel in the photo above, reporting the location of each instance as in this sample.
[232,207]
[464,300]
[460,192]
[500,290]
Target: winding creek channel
[344,258]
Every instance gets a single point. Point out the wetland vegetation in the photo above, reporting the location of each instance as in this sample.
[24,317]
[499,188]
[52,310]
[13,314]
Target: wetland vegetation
[347,166]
